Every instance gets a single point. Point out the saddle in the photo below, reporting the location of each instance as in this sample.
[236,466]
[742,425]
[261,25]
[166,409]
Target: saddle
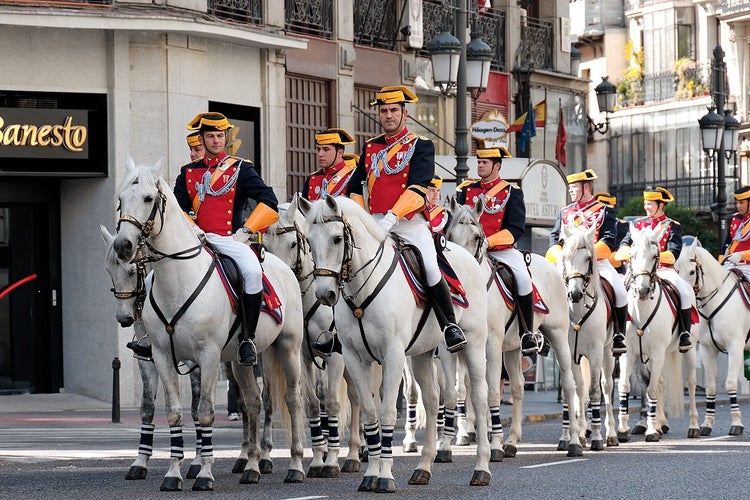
[744,285]
[231,278]
[609,295]
[673,298]
[503,278]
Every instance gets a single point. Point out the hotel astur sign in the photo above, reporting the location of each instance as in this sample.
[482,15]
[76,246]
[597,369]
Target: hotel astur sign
[44,133]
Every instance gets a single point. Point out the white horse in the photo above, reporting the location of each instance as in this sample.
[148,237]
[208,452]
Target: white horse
[129,288]
[378,321]
[287,241]
[503,339]
[590,334]
[651,341]
[725,329]
[187,289]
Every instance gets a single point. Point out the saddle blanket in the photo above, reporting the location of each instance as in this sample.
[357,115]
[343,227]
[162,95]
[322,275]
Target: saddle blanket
[539,305]
[458,294]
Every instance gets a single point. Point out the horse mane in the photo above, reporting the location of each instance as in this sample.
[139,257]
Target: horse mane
[138,174]
[349,209]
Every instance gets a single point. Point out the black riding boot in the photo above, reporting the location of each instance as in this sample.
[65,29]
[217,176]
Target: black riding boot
[618,335]
[250,310]
[526,310]
[327,347]
[440,295]
[684,321]
[140,351]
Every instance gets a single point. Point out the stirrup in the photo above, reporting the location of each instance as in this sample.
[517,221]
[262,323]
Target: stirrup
[239,353]
[686,342]
[542,344]
[531,344]
[457,337]
[325,348]
[140,351]
[618,344]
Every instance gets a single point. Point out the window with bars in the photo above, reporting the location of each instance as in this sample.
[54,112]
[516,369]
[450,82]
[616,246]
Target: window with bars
[242,11]
[307,112]
[309,17]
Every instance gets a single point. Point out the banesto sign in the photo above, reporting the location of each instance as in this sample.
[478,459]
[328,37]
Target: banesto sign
[44,133]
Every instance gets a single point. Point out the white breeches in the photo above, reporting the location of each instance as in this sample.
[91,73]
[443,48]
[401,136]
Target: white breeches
[416,231]
[513,259]
[607,271]
[687,297]
[245,257]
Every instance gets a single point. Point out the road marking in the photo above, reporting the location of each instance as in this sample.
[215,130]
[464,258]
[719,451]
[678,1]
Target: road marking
[562,462]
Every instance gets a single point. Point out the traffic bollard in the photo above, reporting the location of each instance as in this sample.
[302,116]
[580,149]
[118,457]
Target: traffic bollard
[116,391]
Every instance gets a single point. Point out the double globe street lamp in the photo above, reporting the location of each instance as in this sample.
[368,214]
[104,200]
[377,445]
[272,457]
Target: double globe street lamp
[465,68]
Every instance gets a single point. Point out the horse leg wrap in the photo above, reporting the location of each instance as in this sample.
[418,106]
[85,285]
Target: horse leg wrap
[387,441]
[411,416]
[176,443]
[624,403]
[710,405]
[324,419]
[440,416]
[198,437]
[596,415]
[733,403]
[450,429]
[316,433]
[461,408]
[146,446]
[372,437]
[207,445]
[333,432]
[566,416]
[651,415]
[497,423]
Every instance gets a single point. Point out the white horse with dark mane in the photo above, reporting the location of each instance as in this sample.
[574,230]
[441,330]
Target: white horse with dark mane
[651,342]
[725,329]
[590,334]
[189,317]
[378,320]
[503,339]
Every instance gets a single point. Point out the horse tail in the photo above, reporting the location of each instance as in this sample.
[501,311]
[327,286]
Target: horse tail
[274,382]
[673,385]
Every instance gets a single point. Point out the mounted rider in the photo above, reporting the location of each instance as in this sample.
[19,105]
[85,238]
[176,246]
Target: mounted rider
[587,210]
[213,191]
[737,245]
[504,222]
[670,245]
[332,178]
[391,182]
[439,216]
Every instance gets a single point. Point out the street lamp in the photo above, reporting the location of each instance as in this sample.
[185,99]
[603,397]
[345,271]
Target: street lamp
[606,96]
[452,61]
[719,131]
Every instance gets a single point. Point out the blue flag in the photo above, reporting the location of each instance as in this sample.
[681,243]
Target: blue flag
[527,132]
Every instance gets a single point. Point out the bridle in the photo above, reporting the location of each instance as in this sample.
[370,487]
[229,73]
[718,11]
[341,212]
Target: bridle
[140,289]
[586,279]
[468,220]
[653,278]
[345,274]
[303,248]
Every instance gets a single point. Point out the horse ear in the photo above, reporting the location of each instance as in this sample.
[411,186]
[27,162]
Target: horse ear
[157,167]
[303,205]
[106,236]
[590,233]
[294,203]
[129,163]
[331,203]
[453,203]
[479,207]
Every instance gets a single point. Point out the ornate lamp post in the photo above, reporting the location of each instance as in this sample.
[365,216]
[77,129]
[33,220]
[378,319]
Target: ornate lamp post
[719,132]
[606,96]
[452,61]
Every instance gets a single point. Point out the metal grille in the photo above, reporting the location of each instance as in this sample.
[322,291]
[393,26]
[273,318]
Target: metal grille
[310,17]
[491,27]
[307,104]
[242,11]
[375,23]
[535,50]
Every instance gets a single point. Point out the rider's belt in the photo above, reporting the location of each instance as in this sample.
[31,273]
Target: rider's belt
[500,247]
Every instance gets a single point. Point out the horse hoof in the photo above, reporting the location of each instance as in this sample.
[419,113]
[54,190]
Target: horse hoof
[562,445]
[193,471]
[171,483]
[444,457]
[706,431]
[736,430]
[582,440]
[472,437]
[265,466]
[509,451]
[463,441]
[330,471]
[136,472]
[294,476]
[363,455]
[366,484]
[664,429]
[496,455]
[315,471]
[597,445]
[420,476]
[203,484]
[639,429]
[623,437]
[575,450]
[350,466]
[612,441]
[694,433]
[588,433]
[239,466]
[410,448]
[385,485]
[480,478]
[653,437]
[250,477]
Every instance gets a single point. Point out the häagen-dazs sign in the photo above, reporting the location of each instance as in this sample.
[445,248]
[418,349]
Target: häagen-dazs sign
[490,129]
[43,133]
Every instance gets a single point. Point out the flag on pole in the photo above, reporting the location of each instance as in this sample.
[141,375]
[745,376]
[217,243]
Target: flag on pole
[562,138]
[540,114]
[527,132]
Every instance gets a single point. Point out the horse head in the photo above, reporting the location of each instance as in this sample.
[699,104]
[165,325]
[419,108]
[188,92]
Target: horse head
[465,229]
[141,202]
[644,258]
[578,262]
[286,240]
[128,282]
[689,266]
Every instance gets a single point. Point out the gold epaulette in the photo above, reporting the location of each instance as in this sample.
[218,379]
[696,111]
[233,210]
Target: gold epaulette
[466,182]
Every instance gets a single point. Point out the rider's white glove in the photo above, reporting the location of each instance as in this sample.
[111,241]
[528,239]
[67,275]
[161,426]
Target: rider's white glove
[242,234]
[734,258]
[388,221]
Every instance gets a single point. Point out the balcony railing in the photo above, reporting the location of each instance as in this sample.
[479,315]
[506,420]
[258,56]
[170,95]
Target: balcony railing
[695,193]
[309,17]
[734,6]
[241,11]
[535,50]
[687,81]
[375,23]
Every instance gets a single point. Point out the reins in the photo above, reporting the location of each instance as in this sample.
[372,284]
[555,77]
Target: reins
[706,298]
[586,278]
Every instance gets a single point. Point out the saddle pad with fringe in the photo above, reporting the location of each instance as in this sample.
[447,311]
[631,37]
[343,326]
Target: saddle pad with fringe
[231,278]
[503,279]
[673,299]
[609,295]
[743,285]
[410,261]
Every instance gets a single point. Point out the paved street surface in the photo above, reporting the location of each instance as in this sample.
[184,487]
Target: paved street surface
[65,446]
